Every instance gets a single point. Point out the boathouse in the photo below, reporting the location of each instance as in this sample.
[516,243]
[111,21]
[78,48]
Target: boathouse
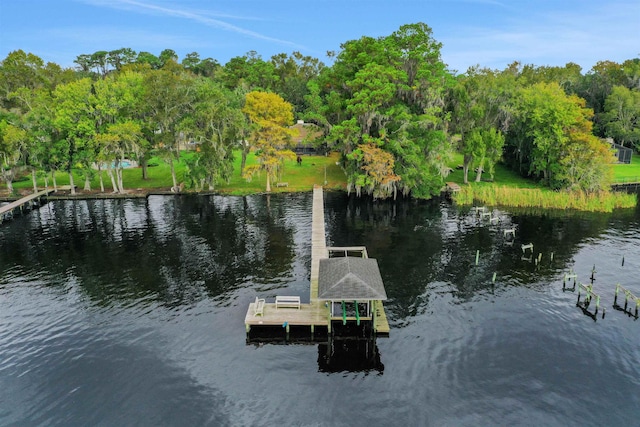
[351,287]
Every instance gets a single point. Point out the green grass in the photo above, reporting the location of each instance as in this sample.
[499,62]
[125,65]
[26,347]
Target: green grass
[510,189]
[507,189]
[605,201]
[502,176]
[627,173]
[299,177]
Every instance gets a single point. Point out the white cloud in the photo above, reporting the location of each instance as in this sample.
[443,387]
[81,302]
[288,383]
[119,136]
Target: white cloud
[202,17]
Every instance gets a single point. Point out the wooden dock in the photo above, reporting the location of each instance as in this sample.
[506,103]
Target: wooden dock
[452,187]
[27,202]
[315,313]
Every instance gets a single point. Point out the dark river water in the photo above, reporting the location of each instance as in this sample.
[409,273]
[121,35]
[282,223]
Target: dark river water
[131,312]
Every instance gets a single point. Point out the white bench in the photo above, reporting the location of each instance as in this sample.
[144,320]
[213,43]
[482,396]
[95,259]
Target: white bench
[282,184]
[287,301]
[258,307]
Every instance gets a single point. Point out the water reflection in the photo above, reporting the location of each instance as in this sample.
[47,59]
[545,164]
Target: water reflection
[349,355]
[434,246]
[131,312]
[177,249]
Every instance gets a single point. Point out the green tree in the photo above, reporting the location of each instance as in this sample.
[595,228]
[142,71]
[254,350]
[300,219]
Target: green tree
[270,116]
[118,142]
[19,70]
[215,125]
[12,142]
[249,72]
[392,89]
[555,128]
[168,102]
[73,119]
[621,116]
[117,112]
[293,73]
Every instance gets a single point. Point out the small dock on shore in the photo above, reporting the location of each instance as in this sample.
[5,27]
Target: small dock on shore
[26,203]
[452,187]
[321,313]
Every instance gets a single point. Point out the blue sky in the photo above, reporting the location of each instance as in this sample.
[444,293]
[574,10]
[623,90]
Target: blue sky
[489,33]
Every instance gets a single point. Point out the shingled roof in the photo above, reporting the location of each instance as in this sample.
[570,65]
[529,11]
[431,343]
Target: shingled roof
[350,278]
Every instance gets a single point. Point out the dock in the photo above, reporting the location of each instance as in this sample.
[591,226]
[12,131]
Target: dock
[452,187]
[316,315]
[26,203]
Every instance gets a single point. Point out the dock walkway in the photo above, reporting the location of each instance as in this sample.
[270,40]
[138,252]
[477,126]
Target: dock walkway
[28,201]
[315,313]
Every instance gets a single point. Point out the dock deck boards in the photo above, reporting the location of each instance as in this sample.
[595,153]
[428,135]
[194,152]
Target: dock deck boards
[309,314]
[16,204]
[453,187]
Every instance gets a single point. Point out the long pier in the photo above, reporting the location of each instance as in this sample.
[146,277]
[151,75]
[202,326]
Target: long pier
[27,202]
[315,313]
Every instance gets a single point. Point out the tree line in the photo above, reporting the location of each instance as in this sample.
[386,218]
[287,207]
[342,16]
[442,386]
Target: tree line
[389,105]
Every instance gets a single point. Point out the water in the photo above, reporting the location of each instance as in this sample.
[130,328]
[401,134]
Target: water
[130,312]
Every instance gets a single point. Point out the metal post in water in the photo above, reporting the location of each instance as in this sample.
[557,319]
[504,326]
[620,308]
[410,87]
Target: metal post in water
[623,260]
[477,256]
[551,256]
[615,297]
[494,278]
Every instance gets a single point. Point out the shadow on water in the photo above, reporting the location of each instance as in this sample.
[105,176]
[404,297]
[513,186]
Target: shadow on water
[336,354]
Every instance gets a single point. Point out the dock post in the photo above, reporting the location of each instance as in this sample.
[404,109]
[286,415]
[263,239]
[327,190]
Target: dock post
[615,297]
[477,256]
[494,277]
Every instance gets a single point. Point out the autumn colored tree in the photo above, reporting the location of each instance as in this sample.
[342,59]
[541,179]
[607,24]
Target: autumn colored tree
[375,173]
[270,118]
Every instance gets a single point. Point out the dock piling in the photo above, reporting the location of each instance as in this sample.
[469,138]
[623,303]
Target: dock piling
[527,246]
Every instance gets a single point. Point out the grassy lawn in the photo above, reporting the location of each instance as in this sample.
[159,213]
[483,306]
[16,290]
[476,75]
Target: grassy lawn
[628,173]
[299,177]
[503,176]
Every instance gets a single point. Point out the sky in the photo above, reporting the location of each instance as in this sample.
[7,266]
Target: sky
[488,33]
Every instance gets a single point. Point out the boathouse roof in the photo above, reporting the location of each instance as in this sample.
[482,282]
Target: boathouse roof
[350,278]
